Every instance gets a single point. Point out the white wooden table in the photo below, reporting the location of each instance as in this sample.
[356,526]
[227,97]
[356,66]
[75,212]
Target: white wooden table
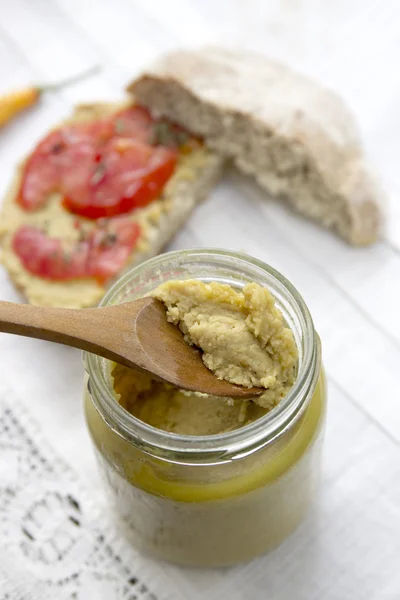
[352,550]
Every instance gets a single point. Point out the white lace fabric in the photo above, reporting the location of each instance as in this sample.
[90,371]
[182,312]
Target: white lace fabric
[53,543]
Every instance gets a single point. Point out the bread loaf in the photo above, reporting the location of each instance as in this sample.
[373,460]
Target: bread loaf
[295,137]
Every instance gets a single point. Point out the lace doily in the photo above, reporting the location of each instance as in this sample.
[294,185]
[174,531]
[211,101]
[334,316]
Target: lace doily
[51,542]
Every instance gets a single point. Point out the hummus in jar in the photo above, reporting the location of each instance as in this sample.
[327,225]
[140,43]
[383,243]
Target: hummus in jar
[244,340]
[201,480]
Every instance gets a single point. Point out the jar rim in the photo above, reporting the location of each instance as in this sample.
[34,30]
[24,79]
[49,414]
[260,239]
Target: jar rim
[222,446]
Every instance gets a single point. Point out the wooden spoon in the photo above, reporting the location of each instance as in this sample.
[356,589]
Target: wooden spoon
[135,334]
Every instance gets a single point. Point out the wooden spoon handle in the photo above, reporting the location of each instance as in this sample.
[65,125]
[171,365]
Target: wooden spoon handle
[60,325]
[86,329]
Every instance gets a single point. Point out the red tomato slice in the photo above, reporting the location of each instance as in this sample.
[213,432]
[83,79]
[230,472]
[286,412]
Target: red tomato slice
[101,254]
[47,257]
[102,169]
[111,247]
[62,151]
[130,174]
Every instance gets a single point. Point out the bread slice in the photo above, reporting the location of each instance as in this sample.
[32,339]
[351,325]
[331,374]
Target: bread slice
[193,179]
[295,137]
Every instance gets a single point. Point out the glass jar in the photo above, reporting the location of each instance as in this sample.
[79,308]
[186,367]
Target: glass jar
[218,499]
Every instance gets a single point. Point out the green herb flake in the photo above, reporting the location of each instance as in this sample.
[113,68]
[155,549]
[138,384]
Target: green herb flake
[81,235]
[109,240]
[66,258]
[164,134]
[119,126]
[182,137]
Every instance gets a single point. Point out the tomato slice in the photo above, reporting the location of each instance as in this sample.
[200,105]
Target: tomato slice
[111,246]
[101,254]
[69,149]
[129,174]
[102,168]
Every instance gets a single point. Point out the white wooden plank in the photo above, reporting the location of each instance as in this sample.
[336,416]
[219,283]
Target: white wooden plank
[185,21]
[57,49]
[122,32]
[13,66]
[53,53]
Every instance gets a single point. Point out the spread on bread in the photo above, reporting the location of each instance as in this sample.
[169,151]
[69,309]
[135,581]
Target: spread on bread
[101,169]
[98,194]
